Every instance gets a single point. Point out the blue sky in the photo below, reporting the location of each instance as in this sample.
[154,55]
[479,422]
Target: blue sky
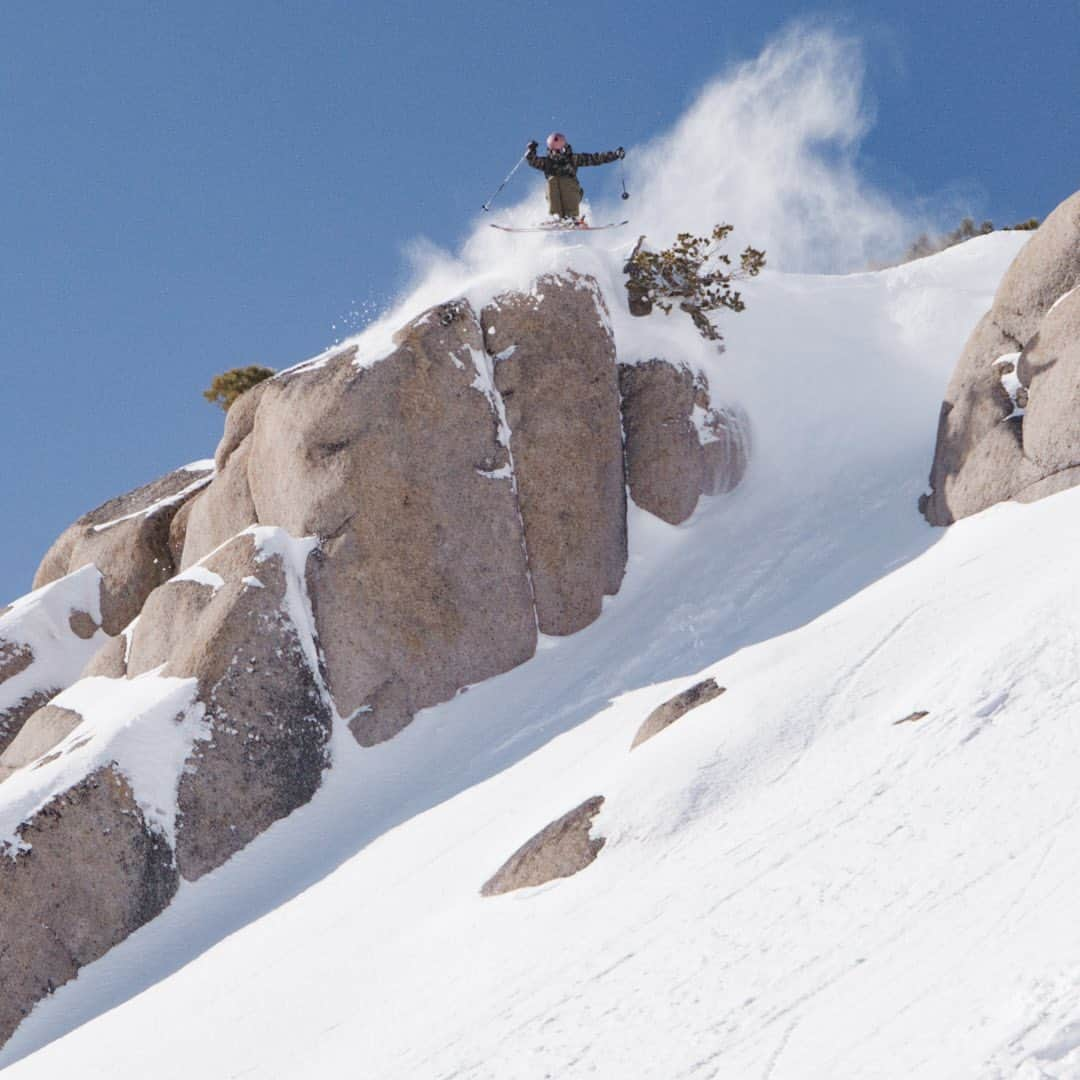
[187,187]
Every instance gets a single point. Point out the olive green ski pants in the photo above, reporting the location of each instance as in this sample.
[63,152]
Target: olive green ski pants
[564,196]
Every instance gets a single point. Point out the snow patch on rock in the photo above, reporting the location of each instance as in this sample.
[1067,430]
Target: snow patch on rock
[145,726]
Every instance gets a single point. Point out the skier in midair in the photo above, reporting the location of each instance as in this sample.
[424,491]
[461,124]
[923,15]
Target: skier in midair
[560,167]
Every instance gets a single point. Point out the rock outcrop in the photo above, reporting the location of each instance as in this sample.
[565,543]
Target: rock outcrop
[559,850]
[1049,368]
[726,447]
[377,533]
[665,467]
[127,539]
[232,625]
[676,708]
[988,447]
[45,640]
[88,870]
[235,628]
[222,680]
[400,468]
[678,448]
[467,489]
[555,370]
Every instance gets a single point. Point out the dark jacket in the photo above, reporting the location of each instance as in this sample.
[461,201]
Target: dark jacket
[567,163]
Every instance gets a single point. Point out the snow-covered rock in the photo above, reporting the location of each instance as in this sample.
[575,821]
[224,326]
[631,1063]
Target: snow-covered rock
[726,447]
[240,624]
[45,640]
[217,727]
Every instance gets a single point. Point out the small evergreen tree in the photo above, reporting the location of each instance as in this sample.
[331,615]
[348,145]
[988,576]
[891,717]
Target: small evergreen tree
[229,385]
[694,274]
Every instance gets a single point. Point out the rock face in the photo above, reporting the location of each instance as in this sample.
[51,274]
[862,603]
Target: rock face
[555,369]
[222,510]
[467,489]
[232,627]
[422,585]
[1050,369]
[45,640]
[92,871]
[559,850]
[988,446]
[677,447]
[726,448]
[222,678]
[269,721]
[665,466]
[676,708]
[378,533]
[50,725]
[127,539]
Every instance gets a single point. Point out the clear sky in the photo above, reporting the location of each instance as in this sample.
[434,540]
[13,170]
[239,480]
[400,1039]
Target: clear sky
[187,187]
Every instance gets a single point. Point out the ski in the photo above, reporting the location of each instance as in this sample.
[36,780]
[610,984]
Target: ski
[558,228]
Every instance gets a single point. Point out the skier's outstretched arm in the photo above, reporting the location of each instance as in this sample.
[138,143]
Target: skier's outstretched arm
[581,160]
[534,159]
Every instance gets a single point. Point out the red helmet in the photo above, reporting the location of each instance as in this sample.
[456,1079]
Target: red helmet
[556,141]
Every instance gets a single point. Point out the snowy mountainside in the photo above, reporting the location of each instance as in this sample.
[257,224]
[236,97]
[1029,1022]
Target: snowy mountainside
[793,884]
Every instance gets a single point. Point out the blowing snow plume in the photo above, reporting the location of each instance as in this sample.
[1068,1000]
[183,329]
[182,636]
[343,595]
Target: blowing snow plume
[770,147]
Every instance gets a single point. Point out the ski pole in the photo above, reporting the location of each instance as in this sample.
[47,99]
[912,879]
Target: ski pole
[487,205]
[622,177]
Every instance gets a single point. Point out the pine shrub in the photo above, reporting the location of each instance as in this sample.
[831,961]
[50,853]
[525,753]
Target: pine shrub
[694,274]
[229,385]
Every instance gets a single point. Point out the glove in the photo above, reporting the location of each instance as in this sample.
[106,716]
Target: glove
[620,153]
[532,146]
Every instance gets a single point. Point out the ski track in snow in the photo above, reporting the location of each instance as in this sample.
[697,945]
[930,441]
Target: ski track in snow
[791,887]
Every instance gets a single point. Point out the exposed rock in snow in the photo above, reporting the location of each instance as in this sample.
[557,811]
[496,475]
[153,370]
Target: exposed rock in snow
[127,539]
[1050,368]
[110,660]
[1047,267]
[90,871]
[911,718]
[239,421]
[178,531]
[665,465]
[219,729]
[268,717]
[421,586]
[677,446]
[46,638]
[47,726]
[677,707]
[561,393]
[558,850]
[222,510]
[985,453]
[725,449]
[458,492]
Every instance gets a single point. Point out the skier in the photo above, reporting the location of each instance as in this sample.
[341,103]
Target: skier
[563,190]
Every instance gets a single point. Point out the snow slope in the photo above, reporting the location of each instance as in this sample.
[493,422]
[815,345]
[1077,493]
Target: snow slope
[793,885]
